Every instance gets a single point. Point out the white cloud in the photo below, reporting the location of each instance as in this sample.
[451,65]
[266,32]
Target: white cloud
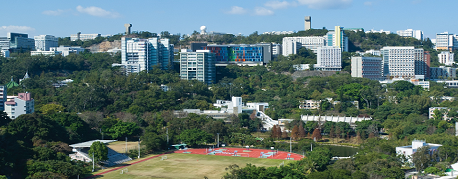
[97,11]
[280,4]
[13,28]
[261,11]
[326,4]
[368,3]
[237,10]
[53,13]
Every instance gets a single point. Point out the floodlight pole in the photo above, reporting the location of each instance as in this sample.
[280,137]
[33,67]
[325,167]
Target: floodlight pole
[126,146]
[93,162]
[138,147]
[218,140]
[290,148]
[167,131]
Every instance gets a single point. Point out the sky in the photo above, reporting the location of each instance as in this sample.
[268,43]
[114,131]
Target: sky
[63,18]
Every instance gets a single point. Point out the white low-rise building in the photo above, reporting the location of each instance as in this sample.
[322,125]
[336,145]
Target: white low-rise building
[18,105]
[83,37]
[302,67]
[5,53]
[444,111]
[446,57]
[45,53]
[419,82]
[63,50]
[416,144]
[418,34]
[310,104]
[379,31]
[66,50]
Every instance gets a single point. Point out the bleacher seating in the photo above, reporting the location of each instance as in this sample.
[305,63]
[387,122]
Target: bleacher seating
[114,158]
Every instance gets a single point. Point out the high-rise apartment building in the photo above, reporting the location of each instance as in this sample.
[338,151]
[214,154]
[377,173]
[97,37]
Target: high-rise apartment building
[83,37]
[290,45]
[20,104]
[142,54]
[199,65]
[329,58]
[337,38]
[44,42]
[366,67]
[403,62]
[418,34]
[446,57]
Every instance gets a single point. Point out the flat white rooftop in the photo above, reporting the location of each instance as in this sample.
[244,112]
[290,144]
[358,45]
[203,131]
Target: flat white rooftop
[89,143]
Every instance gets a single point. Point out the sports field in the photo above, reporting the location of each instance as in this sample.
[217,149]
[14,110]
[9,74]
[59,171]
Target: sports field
[120,146]
[179,165]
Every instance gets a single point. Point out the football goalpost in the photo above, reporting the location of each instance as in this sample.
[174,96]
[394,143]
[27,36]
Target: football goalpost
[124,170]
[164,157]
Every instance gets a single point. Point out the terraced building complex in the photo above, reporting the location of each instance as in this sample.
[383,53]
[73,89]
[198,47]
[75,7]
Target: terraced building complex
[243,54]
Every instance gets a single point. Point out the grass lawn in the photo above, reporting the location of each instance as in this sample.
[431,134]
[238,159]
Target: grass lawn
[120,146]
[188,166]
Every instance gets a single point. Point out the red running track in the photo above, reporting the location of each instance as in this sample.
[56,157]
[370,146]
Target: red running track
[253,153]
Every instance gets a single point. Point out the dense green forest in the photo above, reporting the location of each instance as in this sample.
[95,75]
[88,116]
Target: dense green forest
[103,100]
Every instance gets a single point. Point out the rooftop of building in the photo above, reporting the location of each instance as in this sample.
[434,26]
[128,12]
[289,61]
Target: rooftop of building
[89,143]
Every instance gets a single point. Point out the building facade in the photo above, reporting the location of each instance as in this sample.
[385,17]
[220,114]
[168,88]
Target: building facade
[199,65]
[418,34]
[307,22]
[378,31]
[18,105]
[142,54]
[45,53]
[403,62]
[446,58]
[337,38]
[83,37]
[44,42]
[290,45]
[66,50]
[4,43]
[19,41]
[408,150]
[446,41]
[276,50]
[310,104]
[243,54]
[366,67]
[329,58]
[3,97]
[442,72]
[443,110]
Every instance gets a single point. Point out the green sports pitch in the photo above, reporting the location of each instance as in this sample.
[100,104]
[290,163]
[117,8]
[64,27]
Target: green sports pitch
[187,166]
